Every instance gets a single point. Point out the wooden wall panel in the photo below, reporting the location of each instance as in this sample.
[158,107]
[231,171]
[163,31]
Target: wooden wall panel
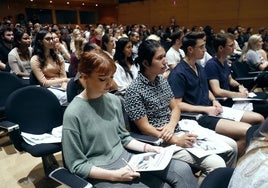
[218,14]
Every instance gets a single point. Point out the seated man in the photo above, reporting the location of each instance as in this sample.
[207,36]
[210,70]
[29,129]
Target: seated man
[149,102]
[220,79]
[188,82]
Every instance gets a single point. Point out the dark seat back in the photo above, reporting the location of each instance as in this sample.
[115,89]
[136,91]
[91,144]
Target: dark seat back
[33,80]
[240,69]
[8,83]
[218,178]
[35,109]
[73,89]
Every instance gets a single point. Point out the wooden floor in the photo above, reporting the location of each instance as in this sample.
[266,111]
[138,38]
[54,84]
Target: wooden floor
[20,169]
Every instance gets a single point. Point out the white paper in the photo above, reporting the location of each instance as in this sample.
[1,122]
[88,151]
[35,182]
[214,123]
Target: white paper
[152,161]
[207,142]
[232,114]
[33,139]
[243,105]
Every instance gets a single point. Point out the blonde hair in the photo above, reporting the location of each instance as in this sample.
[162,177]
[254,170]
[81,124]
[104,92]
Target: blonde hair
[253,41]
[79,44]
[153,37]
[250,44]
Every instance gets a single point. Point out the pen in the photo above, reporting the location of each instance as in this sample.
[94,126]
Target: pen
[128,164]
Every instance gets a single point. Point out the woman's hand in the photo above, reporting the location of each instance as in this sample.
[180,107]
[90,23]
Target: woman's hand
[125,174]
[151,148]
[186,140]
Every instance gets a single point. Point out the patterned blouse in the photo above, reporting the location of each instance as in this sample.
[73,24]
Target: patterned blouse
[144,98]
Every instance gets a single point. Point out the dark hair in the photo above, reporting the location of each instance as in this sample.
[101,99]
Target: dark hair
[105,39]
[96,60]
[89,46]
[190,40]
[4,29]
[176,35]
[40,51]
[17,37]
[221,40]
[119,55]
[146,53]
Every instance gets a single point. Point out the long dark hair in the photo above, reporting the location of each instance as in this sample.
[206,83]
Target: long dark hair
[40,51]
[119,55]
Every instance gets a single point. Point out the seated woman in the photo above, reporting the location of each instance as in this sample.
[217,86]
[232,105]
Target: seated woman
[150,103]
[252,168]
[253,55]
[108,45]
[19,56]
[126,70]
[95,154]
[47,66]
[75,56]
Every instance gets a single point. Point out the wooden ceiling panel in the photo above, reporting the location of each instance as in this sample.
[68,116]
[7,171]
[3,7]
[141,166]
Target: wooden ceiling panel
[73,3]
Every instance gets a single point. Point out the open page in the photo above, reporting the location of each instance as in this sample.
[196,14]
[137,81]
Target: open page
[152,161]
[53,137]
[231,113]
[207,143]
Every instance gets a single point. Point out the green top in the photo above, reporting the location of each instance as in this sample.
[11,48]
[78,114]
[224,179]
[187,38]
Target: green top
[93,133]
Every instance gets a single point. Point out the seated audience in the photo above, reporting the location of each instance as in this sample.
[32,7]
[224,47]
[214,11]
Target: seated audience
[6,45]
[97,37]
[98,155]
[220,79]
[252,168]
[175,54]
[61,47]
[253,55]
[189,84]
[126,70]
[75,56]
[47,66]
[19,56]
[150,103]
[108,45]
[205,58]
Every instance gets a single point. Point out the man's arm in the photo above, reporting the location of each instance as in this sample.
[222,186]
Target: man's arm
[186,107]
[219,92]
[2,66]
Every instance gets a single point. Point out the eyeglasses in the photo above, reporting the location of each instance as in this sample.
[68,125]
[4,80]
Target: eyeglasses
[49,38]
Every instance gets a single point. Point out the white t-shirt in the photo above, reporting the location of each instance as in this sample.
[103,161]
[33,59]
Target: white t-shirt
[173,56]
[122,79]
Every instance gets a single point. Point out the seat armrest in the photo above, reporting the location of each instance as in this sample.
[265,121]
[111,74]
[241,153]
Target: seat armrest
[258,72]
[145,138]
[221,98]
[246,78]
[190,115]
[65,177]
[9,126]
